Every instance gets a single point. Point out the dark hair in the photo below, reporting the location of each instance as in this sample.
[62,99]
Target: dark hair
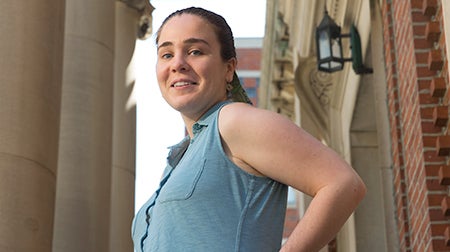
[221,28]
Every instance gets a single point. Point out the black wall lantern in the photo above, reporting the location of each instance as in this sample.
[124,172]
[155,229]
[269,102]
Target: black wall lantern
[329,47]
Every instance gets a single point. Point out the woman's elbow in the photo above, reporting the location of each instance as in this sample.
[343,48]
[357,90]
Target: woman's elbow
[358,188]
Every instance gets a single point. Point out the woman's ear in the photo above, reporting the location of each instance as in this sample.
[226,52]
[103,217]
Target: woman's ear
[231,67]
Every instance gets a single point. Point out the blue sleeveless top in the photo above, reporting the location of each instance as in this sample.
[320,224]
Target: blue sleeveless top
[207,203]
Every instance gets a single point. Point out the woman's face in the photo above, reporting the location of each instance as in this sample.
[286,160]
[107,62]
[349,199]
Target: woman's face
[191,73]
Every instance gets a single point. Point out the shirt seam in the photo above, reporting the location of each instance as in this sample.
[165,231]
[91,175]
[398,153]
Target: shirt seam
[248,198]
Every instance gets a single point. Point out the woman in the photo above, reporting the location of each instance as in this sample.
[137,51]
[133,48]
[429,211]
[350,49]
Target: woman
[225,185]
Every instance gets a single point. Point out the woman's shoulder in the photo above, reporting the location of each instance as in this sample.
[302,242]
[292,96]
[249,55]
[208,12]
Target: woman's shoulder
[238,114]
[234,108]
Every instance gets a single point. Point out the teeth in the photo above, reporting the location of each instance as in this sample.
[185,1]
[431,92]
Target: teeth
[181,84]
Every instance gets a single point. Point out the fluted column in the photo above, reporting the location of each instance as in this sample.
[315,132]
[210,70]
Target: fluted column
[84,175]
[30,90]
[124,129]
[133,19]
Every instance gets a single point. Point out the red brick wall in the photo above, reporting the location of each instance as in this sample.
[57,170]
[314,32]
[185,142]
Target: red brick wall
[416,72]
[249,58]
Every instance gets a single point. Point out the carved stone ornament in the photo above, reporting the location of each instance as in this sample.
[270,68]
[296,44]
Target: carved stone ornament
[321,84]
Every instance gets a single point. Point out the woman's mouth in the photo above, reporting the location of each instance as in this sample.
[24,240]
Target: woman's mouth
[183,84]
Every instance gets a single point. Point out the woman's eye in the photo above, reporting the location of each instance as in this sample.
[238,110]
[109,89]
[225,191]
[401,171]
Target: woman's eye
[166,55]
[195,52]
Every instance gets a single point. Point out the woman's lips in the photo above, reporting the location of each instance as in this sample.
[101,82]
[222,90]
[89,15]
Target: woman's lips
[183,84]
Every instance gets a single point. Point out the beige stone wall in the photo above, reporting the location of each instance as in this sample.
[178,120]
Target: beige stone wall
[67,123]
[31,51]
[446,18]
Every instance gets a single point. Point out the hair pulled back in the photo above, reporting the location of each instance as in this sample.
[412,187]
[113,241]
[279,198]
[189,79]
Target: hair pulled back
[221,28]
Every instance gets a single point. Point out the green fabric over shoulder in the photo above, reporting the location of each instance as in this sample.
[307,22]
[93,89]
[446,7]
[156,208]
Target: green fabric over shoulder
[238,93]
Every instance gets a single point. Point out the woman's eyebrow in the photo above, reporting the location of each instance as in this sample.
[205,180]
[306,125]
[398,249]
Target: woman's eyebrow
[164,44]
[195,41]
[187,41]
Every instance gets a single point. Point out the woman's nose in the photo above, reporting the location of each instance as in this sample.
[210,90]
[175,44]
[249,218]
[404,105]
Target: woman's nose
[179,64]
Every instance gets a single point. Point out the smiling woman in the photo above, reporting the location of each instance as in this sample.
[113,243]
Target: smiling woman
[152,139]
[225,184]
[193,74]
[189,61]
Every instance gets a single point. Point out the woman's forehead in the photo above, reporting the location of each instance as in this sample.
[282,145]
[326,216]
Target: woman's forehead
[186,21]
[186,25]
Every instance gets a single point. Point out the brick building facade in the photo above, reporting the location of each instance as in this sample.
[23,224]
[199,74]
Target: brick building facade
[248,53]
[417,81]
[392,125]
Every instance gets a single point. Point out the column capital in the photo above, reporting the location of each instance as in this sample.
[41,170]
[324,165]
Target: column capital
[140,5]
[145,8]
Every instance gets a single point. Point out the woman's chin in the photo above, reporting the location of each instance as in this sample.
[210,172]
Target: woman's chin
[180,104]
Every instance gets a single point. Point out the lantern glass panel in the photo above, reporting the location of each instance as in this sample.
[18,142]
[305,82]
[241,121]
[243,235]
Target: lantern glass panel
[331,65]
[324,45]
[336,48]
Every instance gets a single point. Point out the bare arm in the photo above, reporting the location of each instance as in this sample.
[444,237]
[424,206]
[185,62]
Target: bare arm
[275,147]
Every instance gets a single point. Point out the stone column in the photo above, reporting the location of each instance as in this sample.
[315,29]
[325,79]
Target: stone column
[383,130]
[31,52]
[133,19]
[82,208]
[124,130]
